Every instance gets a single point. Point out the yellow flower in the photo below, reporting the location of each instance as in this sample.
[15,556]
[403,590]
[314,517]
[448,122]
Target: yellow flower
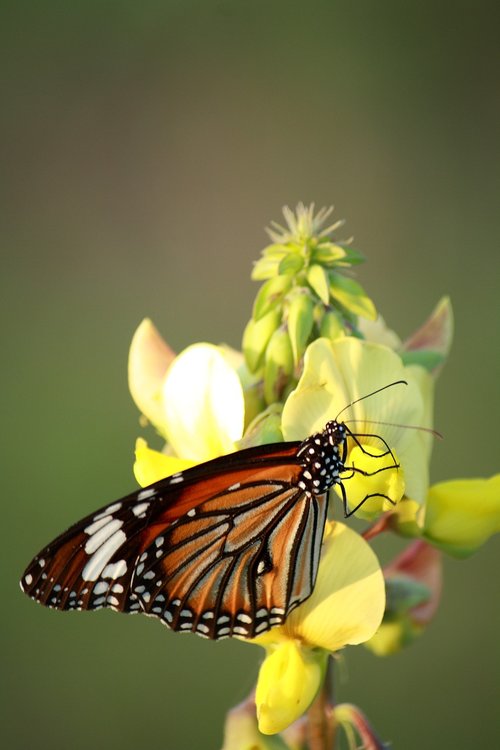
[194,400]
[339,372]
[346,607]
[462,514]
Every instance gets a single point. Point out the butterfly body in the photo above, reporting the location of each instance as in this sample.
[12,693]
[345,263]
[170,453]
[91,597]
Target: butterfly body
[227,548]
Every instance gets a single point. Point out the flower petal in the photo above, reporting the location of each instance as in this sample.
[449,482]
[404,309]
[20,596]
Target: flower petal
[151,466]
[462,514]
[348,601]
[288,681]
[204,404]
[385,486]
[148,362]
[432,342]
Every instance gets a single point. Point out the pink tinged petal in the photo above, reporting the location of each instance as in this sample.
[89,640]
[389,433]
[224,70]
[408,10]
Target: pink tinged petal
[414,584]
[150,466]
[348,601]
[462,514]
[204,404]
[421,563]
[148,362]
[436,334]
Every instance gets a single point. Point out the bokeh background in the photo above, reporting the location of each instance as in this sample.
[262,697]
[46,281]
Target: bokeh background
[144,148]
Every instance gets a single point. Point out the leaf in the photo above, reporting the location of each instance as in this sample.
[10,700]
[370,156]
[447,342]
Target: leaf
[318,281]
[270,294]
[265,268]
[291,263]
[426,358]
[328,254]
[353,257]
[352,296]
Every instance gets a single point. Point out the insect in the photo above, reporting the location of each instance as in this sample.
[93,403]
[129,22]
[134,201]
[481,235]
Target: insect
[226,548]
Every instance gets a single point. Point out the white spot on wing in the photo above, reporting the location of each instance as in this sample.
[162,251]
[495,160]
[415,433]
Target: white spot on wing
[101,588]
[144,494]
[101,557]
[175,479]
[108,511]
[100,536]
[115,570]
[141,508]
[97,525]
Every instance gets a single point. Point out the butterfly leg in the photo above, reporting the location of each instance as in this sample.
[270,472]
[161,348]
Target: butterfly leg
[388,452]
[363,501]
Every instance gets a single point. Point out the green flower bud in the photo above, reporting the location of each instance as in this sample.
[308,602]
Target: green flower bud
[256,337]
[300,323]
[331,326]
[278,365]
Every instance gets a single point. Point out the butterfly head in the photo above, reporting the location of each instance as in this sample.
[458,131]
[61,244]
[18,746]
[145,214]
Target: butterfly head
[322,457]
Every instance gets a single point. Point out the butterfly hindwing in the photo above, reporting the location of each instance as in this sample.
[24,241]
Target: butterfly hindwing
[235,565]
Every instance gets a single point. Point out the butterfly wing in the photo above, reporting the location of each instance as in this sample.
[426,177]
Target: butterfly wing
[226,548]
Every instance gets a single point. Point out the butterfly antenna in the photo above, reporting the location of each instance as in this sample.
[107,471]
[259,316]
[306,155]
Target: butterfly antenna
[435,433]
[368,395]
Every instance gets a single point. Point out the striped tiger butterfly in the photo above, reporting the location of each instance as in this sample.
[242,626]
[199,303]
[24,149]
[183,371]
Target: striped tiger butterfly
[226,548]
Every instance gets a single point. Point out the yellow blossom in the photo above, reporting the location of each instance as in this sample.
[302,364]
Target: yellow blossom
[339,372]
[346,607]
[460,515]
[194,400]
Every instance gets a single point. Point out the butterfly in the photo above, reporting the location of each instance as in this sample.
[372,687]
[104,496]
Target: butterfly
[227,548]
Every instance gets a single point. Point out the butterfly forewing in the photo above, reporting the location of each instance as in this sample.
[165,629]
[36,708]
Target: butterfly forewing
[222,549]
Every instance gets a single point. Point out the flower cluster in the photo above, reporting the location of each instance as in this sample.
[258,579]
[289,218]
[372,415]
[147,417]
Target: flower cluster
[314,346]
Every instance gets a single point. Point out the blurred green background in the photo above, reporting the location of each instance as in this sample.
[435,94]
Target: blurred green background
[144,148]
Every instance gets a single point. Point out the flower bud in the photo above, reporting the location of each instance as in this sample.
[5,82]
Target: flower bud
[300,323]
[278,366]
[256,338]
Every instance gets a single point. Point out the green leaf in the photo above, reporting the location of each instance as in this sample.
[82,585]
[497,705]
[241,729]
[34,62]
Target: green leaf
[328,254]
[276,250]
[300,323]
[426,358]
[352,257]
[352,296]
[291,263]
[318,280]
[256,337]
[265,268]
[270,294]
